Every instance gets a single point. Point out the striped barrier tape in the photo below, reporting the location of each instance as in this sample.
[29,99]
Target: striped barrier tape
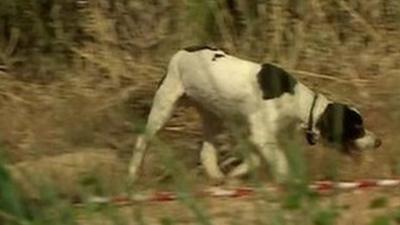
[321,187]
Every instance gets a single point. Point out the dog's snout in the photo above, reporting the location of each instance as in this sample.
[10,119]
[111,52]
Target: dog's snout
[378,143]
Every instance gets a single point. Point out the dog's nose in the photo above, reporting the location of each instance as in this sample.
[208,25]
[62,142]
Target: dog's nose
[378,143]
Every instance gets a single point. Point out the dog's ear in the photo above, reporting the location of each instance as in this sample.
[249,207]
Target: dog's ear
[330,123]
[340,124]
[353,126]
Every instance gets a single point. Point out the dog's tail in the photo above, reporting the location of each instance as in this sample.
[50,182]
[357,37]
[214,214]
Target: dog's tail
[169,91]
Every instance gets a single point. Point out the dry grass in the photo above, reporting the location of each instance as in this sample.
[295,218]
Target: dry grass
[94,87]
[71,174]
[102,99]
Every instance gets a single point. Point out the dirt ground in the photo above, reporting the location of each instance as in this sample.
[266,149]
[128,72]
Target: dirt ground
[357,207]
[70,107]
[354,207]
[91,167]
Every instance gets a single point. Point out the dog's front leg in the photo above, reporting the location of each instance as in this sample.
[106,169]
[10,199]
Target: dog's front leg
[265,140]
[276,159]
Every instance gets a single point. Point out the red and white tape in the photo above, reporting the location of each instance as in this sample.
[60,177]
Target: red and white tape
[321,186]
[219,192]
[165,196]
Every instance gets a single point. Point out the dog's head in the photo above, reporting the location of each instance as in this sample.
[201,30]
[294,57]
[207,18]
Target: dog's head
[343,126]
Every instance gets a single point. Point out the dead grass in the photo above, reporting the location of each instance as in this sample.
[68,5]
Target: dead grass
[104,96]
[352,208]
[54,117]
[71,175]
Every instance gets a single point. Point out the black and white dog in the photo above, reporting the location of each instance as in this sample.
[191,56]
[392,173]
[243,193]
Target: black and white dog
[266,99]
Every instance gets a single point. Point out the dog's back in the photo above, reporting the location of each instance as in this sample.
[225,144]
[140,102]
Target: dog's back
[218,81]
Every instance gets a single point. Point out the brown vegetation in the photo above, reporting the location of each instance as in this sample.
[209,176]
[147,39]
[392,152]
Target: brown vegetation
[78,75]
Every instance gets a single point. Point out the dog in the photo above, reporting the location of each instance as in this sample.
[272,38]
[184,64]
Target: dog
[264,98]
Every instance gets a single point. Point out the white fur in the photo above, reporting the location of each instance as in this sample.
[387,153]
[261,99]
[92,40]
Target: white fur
[226,91]
[368,141]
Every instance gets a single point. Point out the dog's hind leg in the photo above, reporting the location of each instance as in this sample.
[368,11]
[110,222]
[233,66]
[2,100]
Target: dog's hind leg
[166,97]
[212,126]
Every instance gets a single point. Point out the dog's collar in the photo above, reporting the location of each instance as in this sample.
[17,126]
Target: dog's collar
[310,134]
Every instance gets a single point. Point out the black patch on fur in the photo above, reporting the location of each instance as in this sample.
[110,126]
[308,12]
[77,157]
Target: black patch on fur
[216,56]
[199,48]
[274,81]
[339,124]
